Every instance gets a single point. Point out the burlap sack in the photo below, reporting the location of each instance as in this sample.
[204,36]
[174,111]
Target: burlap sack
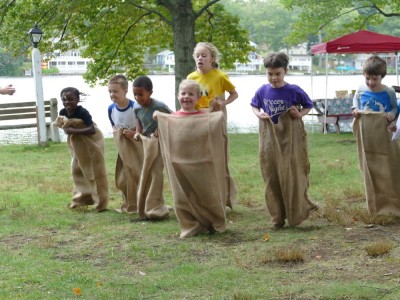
[150,200]
[128,169]
[194,150]
[379,163]
[88,170]
[285,169]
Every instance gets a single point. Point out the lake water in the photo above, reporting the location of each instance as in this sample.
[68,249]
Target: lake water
[240,115]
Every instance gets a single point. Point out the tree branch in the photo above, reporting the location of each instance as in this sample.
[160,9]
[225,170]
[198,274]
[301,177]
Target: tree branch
[164,18]
[123,39]
[4,9]
[339,15]
[205,7]
[381,12]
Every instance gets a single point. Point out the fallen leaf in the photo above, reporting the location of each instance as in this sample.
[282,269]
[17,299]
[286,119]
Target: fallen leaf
[313,238]
[77,291]
[266,237]
[142,273]
[318,257]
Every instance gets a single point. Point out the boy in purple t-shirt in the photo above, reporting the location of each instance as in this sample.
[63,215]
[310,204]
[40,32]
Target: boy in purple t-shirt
[285,175]
[279,96]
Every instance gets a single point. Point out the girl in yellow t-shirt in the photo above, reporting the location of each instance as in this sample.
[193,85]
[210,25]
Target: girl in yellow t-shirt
[214,83]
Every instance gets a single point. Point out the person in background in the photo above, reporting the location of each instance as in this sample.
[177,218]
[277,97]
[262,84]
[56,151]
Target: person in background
[86,145]
[280,103]
[130,152]
[151,204]
[278,96]
[7,90]
[214,83]
[374,95]
[142,90]
[375,109]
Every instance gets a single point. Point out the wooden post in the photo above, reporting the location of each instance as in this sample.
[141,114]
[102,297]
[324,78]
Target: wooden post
[54,134]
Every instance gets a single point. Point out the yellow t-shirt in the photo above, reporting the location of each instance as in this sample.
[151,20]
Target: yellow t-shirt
[213,84]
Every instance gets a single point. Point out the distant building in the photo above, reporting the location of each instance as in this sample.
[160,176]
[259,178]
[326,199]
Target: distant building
[255,62]
[390,59]
[299,58]
[166,60]
[69,62]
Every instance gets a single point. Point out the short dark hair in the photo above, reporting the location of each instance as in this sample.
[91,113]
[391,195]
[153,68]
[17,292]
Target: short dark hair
[72,90]
[143,82]
[375,65]
[276,60]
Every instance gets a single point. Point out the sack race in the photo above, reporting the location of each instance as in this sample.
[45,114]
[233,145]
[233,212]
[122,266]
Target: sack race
[285,169]
[88,169]
[379,163]
[194,151]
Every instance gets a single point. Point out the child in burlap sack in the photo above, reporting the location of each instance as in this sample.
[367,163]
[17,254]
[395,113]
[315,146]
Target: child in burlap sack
[280,107]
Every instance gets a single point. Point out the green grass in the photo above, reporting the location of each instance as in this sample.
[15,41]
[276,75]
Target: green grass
[48,250]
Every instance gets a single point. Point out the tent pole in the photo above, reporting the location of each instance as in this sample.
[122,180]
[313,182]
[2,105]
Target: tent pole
[397,67]
[312,94]
[326,91]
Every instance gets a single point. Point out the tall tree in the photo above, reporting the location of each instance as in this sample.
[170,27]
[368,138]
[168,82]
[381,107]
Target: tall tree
[335,18]
[117,33]
[9,65]
[268,22]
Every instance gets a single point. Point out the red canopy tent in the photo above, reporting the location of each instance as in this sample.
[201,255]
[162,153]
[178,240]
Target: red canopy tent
[362,41]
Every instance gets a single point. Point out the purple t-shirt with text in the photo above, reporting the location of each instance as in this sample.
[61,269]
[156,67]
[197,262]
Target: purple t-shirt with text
[275,101]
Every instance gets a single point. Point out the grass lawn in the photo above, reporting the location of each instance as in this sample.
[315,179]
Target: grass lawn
[51,252]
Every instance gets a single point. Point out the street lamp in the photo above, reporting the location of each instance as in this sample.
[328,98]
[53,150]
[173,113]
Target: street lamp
[35,34]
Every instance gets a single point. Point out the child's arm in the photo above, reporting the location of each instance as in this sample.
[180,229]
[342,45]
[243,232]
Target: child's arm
[356,103]
[89,130]
[298,114]
[139,130]
[260,114]
[233,95]
[391,115]
[139,127]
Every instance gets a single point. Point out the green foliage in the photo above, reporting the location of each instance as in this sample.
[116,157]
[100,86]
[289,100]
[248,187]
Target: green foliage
[10,65]
[225,33]
[50,71]
[117,34]
[330,19]
[268,22]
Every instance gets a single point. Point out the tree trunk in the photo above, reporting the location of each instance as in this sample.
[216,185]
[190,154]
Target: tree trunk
[183,25]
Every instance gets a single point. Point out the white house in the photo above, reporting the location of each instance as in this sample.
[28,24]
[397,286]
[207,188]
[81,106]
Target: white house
[255,62]
[69,62]
[166,59]
[299,58]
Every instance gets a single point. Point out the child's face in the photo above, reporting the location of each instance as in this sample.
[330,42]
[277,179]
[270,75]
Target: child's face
[188,97]
[70,102]
[118,94]
[142,96]
[374,82]
[276,76]
[203,59]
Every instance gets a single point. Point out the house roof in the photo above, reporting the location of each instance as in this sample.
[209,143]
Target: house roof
[362,41]
[165,52]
